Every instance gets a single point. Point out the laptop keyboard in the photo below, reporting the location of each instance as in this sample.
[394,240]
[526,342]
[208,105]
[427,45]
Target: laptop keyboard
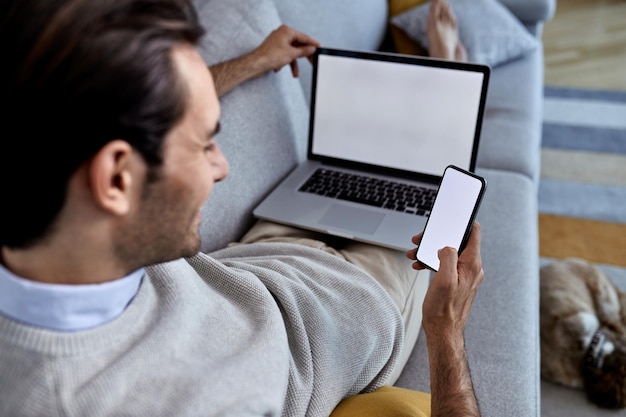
[371,191]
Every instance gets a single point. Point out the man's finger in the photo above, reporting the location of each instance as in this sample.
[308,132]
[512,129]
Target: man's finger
[417,238]
[294,68]
[305,51]
[301,39]
[472,248]
[448,258]
[418,266]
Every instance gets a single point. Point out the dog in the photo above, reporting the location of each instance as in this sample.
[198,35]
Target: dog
[583,331]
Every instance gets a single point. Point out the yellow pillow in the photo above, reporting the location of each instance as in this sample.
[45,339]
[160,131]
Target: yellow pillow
[386,401]
[400,6]
[401,40]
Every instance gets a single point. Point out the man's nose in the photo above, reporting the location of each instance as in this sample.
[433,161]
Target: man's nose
[221,166]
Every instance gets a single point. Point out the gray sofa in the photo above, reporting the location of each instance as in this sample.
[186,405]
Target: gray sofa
[264,135]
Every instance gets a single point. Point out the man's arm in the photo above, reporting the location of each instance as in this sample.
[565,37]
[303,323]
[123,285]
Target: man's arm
[283,46]
[446,309]
[450,381]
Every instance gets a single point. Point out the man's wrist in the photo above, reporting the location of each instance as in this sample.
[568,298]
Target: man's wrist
[230,74]
[445,337]
[256,62]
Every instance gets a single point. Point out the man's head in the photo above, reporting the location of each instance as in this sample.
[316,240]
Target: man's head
[166,224]
[99,97]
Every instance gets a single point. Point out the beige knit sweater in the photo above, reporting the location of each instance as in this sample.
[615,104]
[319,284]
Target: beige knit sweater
[254,330]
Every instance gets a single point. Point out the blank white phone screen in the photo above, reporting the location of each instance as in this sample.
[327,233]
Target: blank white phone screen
[451,215]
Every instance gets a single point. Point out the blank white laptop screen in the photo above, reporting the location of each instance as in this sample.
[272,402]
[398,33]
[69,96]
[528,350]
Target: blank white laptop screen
[395,115]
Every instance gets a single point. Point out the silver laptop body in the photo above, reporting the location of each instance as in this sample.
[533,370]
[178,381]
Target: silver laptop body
[385,126]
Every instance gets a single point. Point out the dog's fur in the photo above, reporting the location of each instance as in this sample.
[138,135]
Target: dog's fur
[577,299]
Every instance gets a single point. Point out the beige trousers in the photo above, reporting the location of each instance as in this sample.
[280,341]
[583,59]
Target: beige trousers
[392,269]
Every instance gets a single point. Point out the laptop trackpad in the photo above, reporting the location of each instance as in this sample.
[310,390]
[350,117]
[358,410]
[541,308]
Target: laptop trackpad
[352,218]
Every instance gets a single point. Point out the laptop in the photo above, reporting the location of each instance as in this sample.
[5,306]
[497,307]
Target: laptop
[383,127]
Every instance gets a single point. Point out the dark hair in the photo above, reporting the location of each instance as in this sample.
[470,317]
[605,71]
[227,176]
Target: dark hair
[76,74]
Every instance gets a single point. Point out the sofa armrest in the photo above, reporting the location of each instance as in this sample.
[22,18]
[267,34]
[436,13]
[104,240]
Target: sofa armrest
[531,12]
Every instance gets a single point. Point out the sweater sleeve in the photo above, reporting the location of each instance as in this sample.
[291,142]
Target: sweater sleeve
[344,331]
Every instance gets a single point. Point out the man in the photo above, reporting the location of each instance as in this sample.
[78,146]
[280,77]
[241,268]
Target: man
[105,306]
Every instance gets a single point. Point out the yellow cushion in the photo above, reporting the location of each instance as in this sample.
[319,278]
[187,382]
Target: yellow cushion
[400,6]
[401,40]
[386,401]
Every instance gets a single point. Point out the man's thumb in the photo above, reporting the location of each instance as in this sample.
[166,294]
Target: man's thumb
[448,258]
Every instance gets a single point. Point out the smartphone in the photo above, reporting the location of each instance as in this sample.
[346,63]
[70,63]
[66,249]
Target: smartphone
[452,216]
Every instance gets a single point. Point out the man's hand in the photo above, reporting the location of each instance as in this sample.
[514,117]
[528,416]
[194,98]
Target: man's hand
[284,46]
[451,293]
[452,290]
[281,47]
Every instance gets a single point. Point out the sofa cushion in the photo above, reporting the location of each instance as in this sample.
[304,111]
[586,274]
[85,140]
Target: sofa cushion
[402,43]
[264,121]
[531,12]
[397,7]
[386,401]
[500,41]
[502,333]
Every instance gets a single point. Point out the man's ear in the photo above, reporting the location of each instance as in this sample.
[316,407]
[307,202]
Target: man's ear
[113,175]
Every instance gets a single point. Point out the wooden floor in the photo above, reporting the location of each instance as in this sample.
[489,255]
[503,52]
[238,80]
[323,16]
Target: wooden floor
[585,45]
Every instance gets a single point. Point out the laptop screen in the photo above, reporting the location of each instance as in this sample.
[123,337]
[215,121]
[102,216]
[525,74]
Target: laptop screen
[413,115]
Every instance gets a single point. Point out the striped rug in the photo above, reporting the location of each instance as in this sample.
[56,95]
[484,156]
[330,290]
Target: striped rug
[582,201]
[582,193]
